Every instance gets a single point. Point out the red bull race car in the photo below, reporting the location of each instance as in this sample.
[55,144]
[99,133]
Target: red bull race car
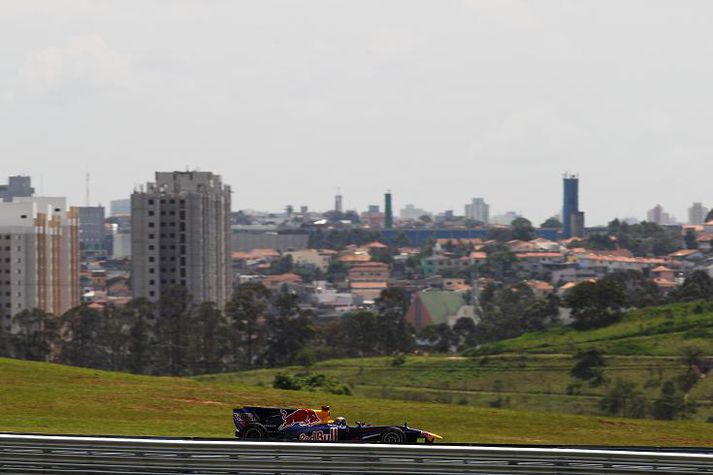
[254,422]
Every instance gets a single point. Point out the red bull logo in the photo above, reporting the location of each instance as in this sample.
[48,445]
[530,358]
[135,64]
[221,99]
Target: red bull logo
[330,435]
[302,417]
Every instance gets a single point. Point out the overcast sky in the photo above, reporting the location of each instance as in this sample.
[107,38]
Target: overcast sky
[438,100]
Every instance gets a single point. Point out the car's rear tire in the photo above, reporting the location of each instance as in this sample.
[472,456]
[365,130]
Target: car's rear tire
[393,435]
[254,431]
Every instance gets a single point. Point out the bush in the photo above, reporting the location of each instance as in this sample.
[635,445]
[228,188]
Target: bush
[310,382]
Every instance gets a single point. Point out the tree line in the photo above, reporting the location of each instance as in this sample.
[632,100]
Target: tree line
[257,328]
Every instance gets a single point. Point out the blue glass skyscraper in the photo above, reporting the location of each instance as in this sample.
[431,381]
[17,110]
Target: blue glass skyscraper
[570,208]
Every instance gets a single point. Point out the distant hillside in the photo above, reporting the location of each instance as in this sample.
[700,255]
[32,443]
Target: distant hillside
[659,331]
[512,381]
[532,372]
[41,397]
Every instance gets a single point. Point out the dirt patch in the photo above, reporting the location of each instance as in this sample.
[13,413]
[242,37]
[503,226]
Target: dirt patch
[194,400]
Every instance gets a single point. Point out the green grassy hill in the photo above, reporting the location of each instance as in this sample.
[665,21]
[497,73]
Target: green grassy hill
[659,331]
[41,397]
[532,372]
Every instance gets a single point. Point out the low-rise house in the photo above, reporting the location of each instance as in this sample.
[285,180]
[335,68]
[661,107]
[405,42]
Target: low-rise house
[368,279]
[434,307]
[538,261]
[663,272]
[313,258]
[443,262]
[274,282]
[688,257]
[540,288]
[613,263]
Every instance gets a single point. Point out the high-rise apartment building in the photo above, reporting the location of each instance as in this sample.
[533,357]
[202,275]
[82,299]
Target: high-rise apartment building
[478,210]
[659,216]
[572,217]
[338,207]
[39,256]
[17,187]
[92,230]
[388,211]
[180,235]
[697,213]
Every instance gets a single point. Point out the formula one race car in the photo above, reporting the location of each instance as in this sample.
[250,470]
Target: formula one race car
[254,422]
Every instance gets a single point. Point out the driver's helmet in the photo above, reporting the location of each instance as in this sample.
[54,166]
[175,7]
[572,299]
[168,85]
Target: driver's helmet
[340,421]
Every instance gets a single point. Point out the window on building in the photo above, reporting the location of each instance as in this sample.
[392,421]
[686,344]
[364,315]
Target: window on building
[151,213]
[151,225]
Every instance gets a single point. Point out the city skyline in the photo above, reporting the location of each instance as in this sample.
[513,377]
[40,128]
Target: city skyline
[293,91]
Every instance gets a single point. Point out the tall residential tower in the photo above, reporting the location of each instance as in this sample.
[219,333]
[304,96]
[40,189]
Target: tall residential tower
[180,235]
[39,256]
[572,217]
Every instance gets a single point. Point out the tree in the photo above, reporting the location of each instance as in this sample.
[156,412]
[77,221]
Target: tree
[709,216]
[395,333]
[207,344]
[173,330]
[115,337]
[288,332]
[541,314]
[142,335]
[672,404]
[465,331]
[426,219]
[624,400]
[697,286]
[440,337]
[356,334]
[248,303]
[640,291]
[644,239]
[499,261]
[502,312]
[589,366]
[81,330]
[500,234]
[4,343]
[522,229]
[552,222]
[283,265]
[596,304]
[35,335]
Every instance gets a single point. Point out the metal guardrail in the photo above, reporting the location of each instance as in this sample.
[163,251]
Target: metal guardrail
[121,455]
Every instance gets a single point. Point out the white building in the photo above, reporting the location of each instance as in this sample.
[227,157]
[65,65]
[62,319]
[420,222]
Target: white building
[478,210]
[39,256]
[411,212]
[697,214]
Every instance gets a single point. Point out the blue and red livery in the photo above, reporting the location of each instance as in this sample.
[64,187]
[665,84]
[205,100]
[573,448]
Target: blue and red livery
[303,424]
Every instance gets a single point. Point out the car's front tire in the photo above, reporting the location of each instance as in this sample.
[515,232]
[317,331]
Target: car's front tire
[254,431]
[393,435]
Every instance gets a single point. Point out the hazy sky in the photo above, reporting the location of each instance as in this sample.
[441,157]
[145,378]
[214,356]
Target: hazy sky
[439,100]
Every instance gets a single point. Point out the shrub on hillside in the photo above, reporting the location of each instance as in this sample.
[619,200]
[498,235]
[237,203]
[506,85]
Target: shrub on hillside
[310,382]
